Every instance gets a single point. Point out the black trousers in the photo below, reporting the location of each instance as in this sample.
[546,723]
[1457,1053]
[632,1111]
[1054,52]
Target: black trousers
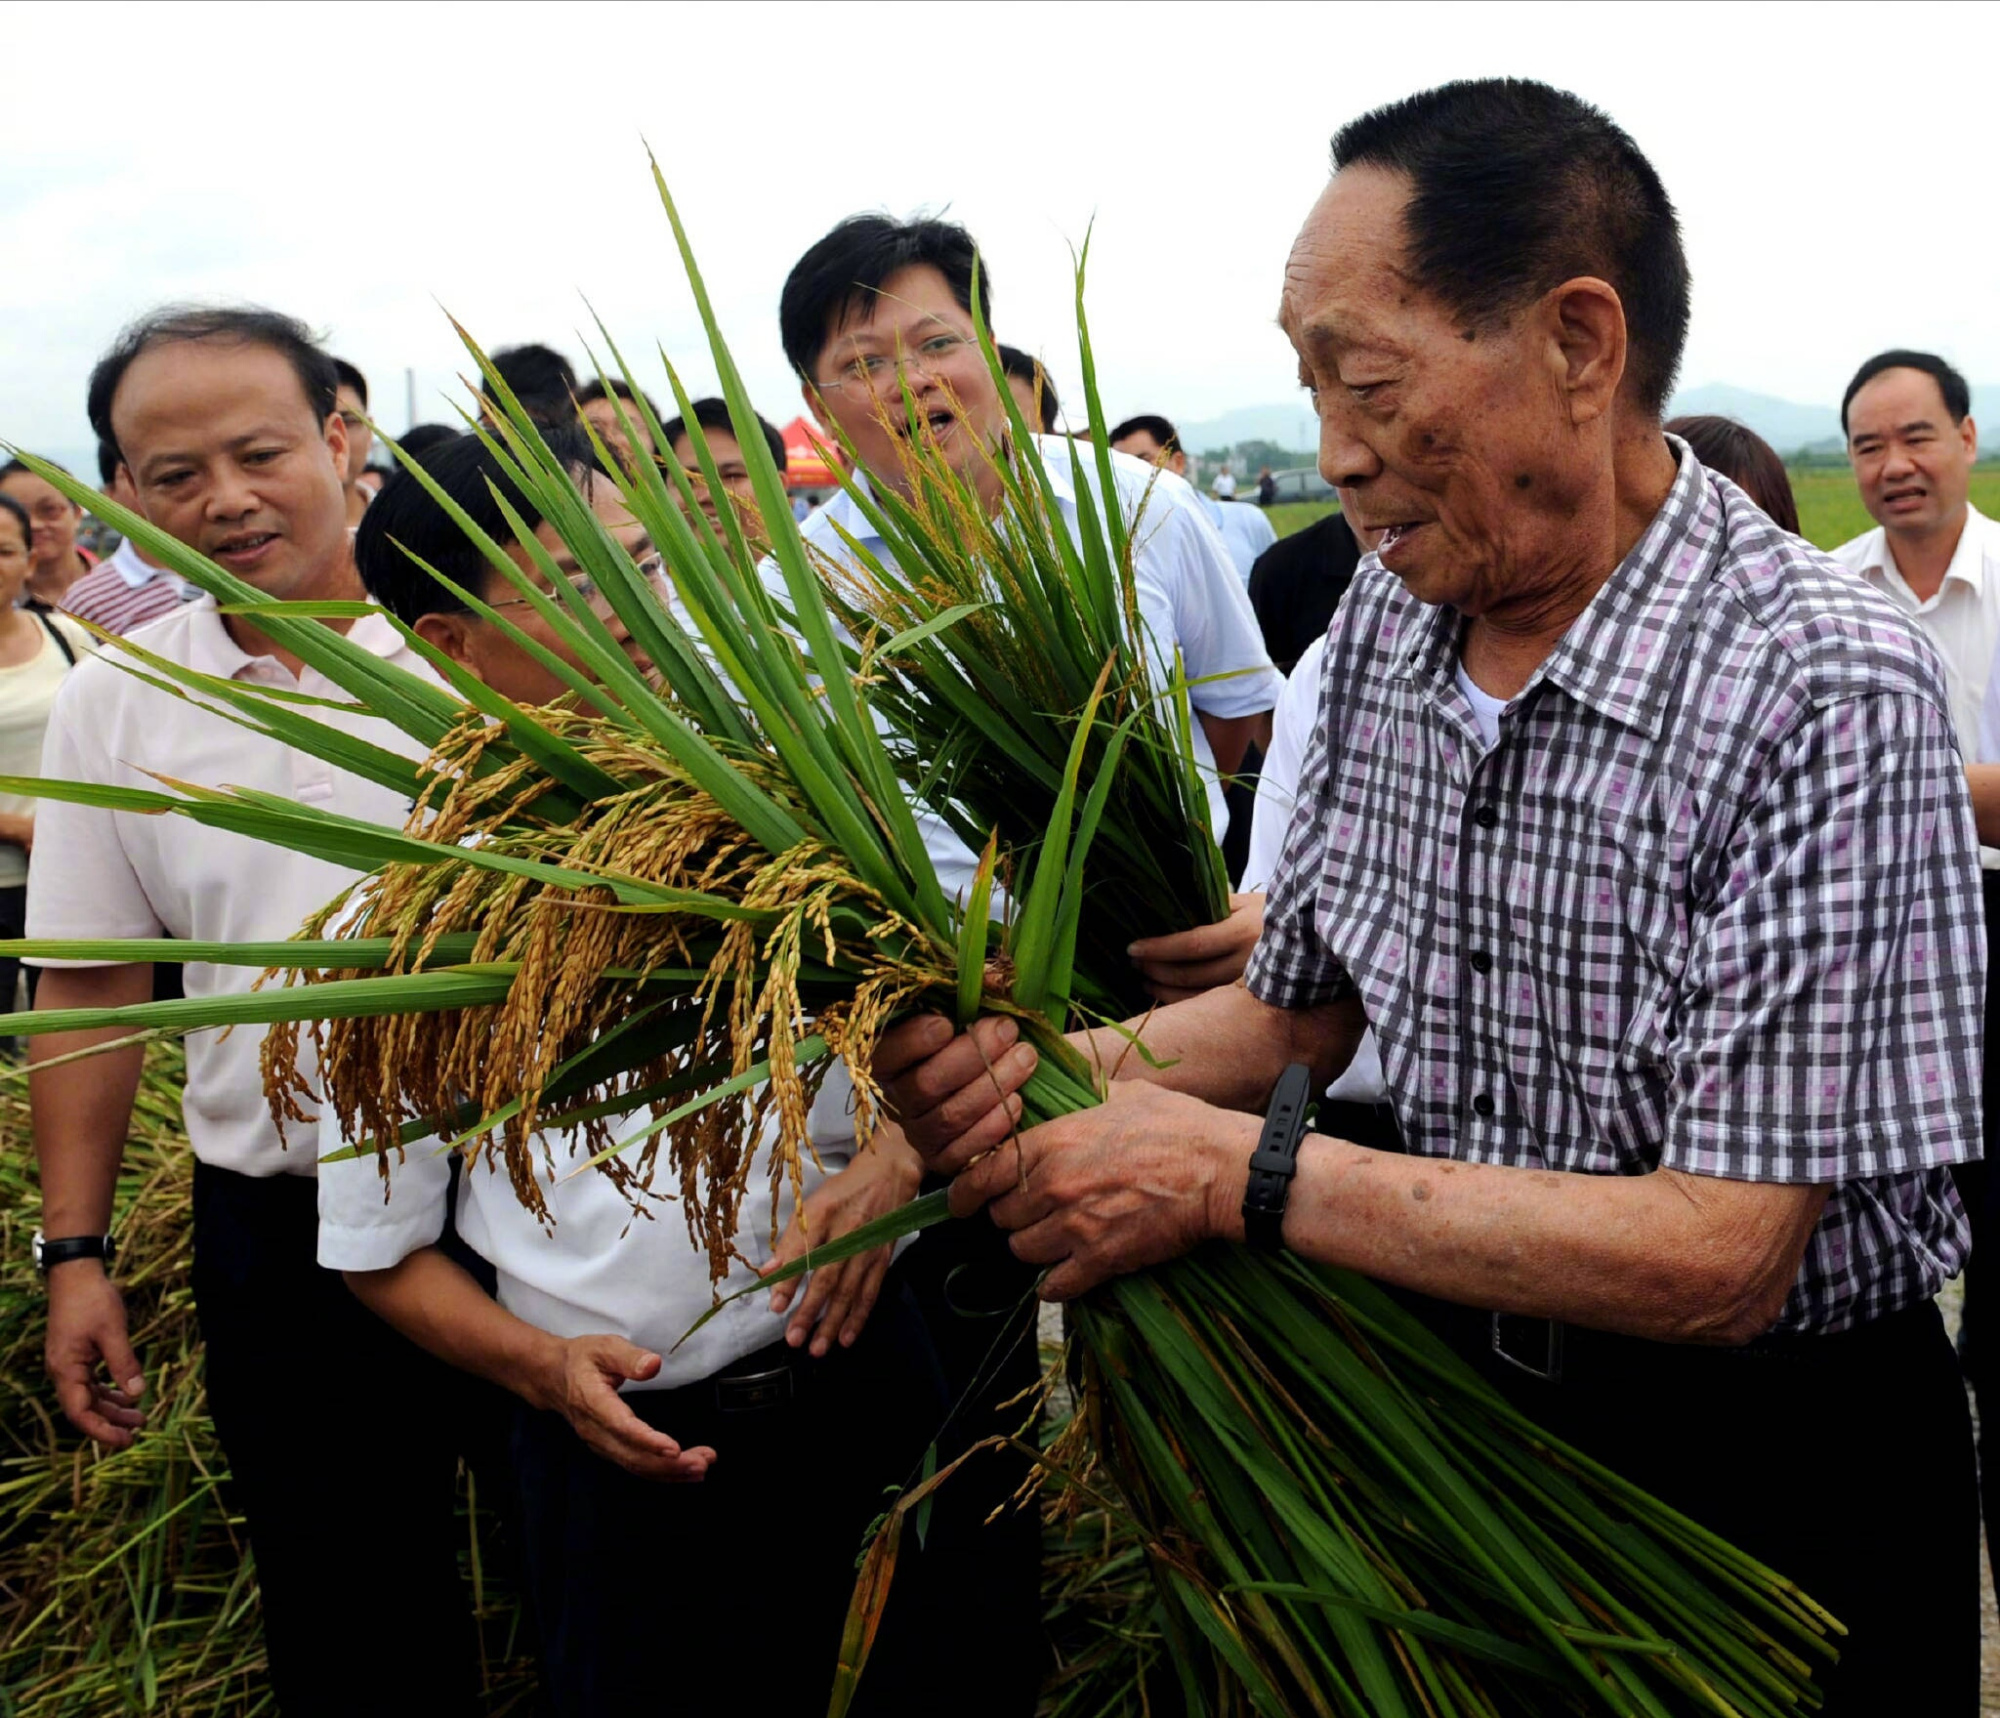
[1844,1462]
[343,1442]
[1979,1340]
[979,1306]
[636,1585]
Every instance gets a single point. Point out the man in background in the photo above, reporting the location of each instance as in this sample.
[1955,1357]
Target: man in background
[541,379]
[1244,530]
[126,590]
[352,404]
[599,406]
[1224,486]
[1031,387]
[1907,417]
[730,465]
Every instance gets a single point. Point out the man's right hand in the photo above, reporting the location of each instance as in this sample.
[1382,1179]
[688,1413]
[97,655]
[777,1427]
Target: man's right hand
[584,1390]
[86,1344]
[956,1094]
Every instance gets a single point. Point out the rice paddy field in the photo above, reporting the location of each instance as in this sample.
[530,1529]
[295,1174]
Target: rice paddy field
[1830,510]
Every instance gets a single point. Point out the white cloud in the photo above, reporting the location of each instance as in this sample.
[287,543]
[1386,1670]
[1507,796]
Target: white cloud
[362,165]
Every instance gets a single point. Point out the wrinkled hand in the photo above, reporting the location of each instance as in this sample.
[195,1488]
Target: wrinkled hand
[1143,1178]
[86,1343]
[840,1296]
[955,1093]
[1189,962]
[584,1391]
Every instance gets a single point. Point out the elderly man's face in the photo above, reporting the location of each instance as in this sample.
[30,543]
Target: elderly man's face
[1460,449]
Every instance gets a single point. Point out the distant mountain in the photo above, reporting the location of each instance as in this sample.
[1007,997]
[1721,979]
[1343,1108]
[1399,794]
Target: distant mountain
[1785,424]
[1289,425]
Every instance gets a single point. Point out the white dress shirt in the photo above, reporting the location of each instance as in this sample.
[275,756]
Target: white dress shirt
[600,1269]
[100,873]
[1245,532]
[1961,619]
[1189,594]
[1277,788]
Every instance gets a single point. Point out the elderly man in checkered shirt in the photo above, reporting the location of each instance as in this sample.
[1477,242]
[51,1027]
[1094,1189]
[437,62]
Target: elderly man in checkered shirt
[1637,830]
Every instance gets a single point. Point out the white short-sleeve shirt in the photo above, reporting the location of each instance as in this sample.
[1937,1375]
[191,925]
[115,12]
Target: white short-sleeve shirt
[600,1269]
[100,873]
[1277,790]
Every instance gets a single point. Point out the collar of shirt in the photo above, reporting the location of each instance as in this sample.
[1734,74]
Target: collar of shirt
[1875,561]
[1618,655]
[136,573]
[212,650]
[842,510]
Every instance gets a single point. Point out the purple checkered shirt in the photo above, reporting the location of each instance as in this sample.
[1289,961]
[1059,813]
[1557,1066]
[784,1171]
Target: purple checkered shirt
[1711,904]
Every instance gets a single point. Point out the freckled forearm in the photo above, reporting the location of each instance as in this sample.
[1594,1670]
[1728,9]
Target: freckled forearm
[1625,1253]
[1228,1048]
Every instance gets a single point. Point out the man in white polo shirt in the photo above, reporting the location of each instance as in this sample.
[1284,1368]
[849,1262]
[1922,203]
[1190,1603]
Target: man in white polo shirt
[339,1433]
[1908,421]
[1245,532]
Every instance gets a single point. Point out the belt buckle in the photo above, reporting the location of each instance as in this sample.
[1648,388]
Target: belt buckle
[1539,1342]
[752,1392]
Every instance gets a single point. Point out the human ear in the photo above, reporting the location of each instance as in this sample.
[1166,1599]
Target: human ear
[1587,322]
[450,633]
[336,441]
[1969,433]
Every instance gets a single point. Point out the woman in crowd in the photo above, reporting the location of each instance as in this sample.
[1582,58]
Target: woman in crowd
[37,649]
[56,559]
[1746,459]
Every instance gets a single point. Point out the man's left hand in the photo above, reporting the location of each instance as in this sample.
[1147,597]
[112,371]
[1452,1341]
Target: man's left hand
[1144,1177]
[840,1296]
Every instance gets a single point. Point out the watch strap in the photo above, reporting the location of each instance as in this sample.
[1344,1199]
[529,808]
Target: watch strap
[49,1254]
[1276,1160]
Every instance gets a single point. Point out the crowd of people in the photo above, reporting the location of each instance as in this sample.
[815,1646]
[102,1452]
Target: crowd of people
[1610,855]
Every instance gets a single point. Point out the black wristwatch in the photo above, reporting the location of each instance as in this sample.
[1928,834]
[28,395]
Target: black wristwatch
[49,1254]
[1276,1160]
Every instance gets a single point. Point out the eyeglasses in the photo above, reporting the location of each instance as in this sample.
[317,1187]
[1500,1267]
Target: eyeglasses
[653,569]
[877,372]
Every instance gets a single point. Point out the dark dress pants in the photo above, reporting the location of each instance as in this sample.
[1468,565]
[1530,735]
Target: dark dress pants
[730,1595]
[1979,1340]
[343,1441]
[1844,1462]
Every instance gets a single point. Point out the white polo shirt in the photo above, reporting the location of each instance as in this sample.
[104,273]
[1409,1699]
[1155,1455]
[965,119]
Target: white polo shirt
[1245,532]
[124,874]
[1292,724]
[1189,594]
[600,1270]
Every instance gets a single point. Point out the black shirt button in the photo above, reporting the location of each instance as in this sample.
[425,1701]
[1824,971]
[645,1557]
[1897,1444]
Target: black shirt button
[1481,960]
[1486,817]
[1482,1105]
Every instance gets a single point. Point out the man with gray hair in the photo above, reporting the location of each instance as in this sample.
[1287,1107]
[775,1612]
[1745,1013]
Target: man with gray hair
[1636,830]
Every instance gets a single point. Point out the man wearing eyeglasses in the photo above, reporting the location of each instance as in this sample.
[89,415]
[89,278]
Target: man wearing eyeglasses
[878,306]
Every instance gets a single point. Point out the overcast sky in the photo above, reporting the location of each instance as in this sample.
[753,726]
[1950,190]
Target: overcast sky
[370,167]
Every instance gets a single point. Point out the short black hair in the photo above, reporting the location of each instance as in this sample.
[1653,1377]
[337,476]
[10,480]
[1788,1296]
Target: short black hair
[405,521]
[418,437]
[540,376]
[1516,187]
[598,389]
[108,462]
[1957,396]
[713,414]
[241,325]
[350,377]
[1152,424]
[9,505]
[1026,367]
[852,262]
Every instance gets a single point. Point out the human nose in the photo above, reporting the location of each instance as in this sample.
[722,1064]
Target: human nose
[230,495]
[1345,459]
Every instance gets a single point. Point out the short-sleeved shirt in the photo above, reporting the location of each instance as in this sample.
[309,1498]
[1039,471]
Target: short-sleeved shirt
[126,592]
[100,873]
[1189,595]
[1711,903]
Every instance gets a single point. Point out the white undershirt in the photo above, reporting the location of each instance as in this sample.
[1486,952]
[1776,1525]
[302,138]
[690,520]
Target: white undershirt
[1486,709]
